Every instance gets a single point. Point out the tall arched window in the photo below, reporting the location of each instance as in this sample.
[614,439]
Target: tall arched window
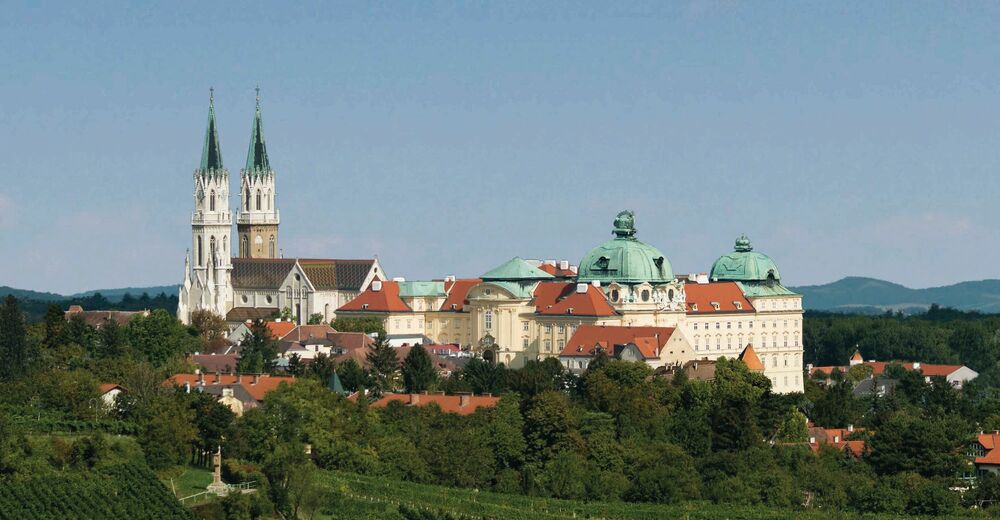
[200,257]
[268,197]
[211,200]
[258,200]
[225,244]
[211,249]
[246,199]
[244,246]
[270,247]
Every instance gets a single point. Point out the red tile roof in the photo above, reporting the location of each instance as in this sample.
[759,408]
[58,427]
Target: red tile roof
[279,329]
[107,387]
[307,332]
[385,299]
[836,438]
[554,270]
[878,368]
[563,299]
[587,337]
[458,291]
[990,441]
[265,383]
[215,362]
[701,295]
[460,404]
[750,359]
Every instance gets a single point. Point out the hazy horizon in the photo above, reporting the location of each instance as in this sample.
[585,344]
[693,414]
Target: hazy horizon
[844,139]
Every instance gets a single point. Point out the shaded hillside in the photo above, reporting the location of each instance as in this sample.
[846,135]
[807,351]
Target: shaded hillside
[870,295]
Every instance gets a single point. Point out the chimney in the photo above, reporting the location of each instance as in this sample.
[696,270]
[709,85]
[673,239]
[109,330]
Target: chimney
[218,377]
[836,439]
[256,378]
[573,269]
[850,427]
[596,283]
[414,398]
[564,264]
[201,378]
[463,400]
[812,440]
[581,288]
[550,263]
[239,378]
[187,387]
[916,365]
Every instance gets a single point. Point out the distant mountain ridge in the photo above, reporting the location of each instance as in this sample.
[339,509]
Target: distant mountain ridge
[113,295]
[857,294]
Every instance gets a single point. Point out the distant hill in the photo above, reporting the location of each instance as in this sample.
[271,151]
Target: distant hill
[112,295]
[869,295]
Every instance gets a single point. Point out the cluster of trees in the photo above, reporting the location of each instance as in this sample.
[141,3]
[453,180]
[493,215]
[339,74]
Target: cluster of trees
[34,310]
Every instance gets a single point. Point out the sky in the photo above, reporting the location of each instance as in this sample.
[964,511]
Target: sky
[844,138]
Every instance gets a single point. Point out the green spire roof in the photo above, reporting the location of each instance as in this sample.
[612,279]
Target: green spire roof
[745,265]
[516,269]
[257,155]
[625,259]
[211,153]
[334,384]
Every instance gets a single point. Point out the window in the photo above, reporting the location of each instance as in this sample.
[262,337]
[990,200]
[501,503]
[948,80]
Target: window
[487,291]
[268,197]
[786,360]
[548,345]
[200,258]
[695,326]
[211,249]
[774,362]
[258,200]
[718,343]
[785,339]
[488,320]
[697,342]
[524,342]
[211,200]
[244,246]
[645,295]
[246,199]
[785,381]
[548,328]
[729,342]
[614,295]
[718,325]
[524,325]
[739,324]
[729,324]
[270,247]
[268,298]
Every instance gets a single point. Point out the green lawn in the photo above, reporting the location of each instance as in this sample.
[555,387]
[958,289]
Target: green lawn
[185,481]
[361,497]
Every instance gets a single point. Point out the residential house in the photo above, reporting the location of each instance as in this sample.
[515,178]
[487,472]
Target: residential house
[462,404]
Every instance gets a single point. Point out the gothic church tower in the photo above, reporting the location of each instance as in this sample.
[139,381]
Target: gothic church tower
[257,221]
[207,281]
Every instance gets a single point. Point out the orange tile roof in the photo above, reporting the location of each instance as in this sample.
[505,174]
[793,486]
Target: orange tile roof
[306,332]
[750,359]
[265,383]
[701,295]
[457,292]
[857,356]
[554,270]
[878,368]
[587,337]
[559,299]
[107,387]
[836,438]
[384,300]
[990,441]
[460,404]
[279,329]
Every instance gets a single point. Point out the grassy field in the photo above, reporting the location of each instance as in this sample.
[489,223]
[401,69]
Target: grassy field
[185,481]
[362,497]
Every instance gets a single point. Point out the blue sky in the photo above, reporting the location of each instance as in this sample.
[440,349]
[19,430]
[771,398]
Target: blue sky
[844,138]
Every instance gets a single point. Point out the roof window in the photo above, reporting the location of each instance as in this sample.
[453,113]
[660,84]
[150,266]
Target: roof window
[364,306]
[715,305]
[739,305]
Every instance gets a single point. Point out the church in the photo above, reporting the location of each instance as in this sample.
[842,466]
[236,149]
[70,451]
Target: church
[254,280]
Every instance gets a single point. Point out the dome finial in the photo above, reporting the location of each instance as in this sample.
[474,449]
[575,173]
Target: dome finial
[625,224]
[743,244]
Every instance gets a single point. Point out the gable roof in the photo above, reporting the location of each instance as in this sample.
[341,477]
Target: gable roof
[836,438]
[258,390]
[279,329]
[260,273]
[385,299]
[107,387]
[458,404]
[701,295]
[587,337]
[516,269]
[309,332]
[458,291]
[563,298]
[335,274]
[215,362]
[750,359]
[989,441]
[878,368]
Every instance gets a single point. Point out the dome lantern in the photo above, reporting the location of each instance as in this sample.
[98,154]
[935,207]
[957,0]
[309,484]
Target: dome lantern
[625,259]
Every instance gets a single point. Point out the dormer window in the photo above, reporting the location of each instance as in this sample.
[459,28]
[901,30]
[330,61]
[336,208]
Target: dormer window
[715,305]
[694,308]
[364,306]
[738,305]
[454,306]
[602,263]
[569,310]
[659,262]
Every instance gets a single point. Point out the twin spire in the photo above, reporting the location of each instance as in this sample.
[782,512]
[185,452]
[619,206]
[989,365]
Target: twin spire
[211,154]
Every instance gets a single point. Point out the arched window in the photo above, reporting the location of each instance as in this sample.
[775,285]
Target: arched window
[211,249]
[270,247]
[200,257]
[268,197]
[225,244]
[258,200]
[246,199]
[244,246]
[211,200]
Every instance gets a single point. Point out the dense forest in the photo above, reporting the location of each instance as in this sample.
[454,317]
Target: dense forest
[616,433]
[35,310]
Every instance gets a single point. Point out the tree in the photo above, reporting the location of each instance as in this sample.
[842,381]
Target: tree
[168,436]
[207,325]
[931,447]
[286,314]
[352,376]
[484,377]
[159,337]
[506,435]
[550,426]
[315,319]
[793,427]
[259,349]
[13,339]
[419,373]
[54,324]
[321,368]
[384,365]
[111,339]
[366,324]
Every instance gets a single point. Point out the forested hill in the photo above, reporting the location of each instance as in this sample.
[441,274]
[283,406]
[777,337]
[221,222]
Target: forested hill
[870,295]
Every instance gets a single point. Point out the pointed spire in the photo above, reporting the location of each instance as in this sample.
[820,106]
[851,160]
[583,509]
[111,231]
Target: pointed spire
[211,153]
[257,155]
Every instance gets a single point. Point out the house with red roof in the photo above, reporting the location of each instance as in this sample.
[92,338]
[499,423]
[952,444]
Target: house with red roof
[655,346]
[984,452]
[109,392]
[249,389]
[841,439]
[956,375]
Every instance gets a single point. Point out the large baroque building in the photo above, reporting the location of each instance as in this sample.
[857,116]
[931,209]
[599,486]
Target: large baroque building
[525,310]
[250,279]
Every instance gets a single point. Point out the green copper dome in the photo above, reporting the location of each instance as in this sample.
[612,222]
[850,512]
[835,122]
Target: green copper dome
[625,259]
[745,265]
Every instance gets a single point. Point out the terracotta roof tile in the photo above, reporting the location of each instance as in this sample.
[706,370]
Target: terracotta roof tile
[459,404]
[559,298]
[701,295]
[458,291]
[587,337]
[386,299]
[250,313]
[990,441]
[107,387]
[279,329]
[265,383]
[750,359]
